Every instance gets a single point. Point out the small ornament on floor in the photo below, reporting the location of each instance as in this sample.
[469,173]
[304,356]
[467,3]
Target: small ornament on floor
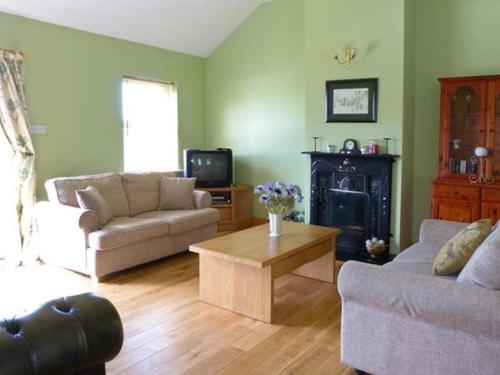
[376,248]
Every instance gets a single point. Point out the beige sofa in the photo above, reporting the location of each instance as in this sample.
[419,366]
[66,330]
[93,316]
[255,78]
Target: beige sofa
[68,236]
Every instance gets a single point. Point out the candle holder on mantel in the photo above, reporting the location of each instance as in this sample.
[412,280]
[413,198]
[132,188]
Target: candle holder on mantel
[479,158]
[387,139]
[315,143]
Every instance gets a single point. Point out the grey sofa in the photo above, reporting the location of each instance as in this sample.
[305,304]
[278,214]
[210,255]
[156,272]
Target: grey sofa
[401,319]
[69,236]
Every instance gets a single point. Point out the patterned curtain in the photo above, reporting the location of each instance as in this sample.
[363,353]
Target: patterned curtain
[14,125]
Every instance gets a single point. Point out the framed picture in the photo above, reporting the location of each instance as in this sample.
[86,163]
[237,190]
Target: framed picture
[352,100]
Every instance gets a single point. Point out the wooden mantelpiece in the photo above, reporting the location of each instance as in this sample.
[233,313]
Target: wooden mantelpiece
[355,156]
[470,117]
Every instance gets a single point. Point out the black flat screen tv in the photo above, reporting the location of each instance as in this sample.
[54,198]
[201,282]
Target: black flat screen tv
[212,168]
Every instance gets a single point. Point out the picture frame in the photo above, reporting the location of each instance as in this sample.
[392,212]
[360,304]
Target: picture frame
[352,100]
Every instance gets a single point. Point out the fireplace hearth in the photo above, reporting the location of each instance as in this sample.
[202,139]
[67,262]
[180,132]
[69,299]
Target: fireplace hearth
[353,193]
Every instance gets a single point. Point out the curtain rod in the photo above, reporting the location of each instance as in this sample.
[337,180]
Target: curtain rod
[148,80]
[13,51]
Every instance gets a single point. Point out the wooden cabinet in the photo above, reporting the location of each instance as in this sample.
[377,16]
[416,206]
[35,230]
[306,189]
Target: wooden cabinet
[490,204]
[470,117]
[235,206]
[491,210]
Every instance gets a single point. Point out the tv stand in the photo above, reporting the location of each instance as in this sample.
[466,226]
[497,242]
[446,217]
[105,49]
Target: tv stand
[234,204]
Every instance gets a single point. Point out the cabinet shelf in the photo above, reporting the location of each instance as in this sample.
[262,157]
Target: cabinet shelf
[237,214]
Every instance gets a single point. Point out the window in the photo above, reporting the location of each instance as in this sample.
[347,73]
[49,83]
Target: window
[150,134]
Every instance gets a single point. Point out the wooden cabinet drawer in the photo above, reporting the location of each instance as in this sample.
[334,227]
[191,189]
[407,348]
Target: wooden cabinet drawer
[455,192]
[226,213]
[491,195]
[455,210]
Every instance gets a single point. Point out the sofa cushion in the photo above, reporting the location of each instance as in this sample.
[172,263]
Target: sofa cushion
[418,267]
[91,199]
[143,190]
[176,193]
[181,221]
[453,256]
[483,268]
[418,259]
[419,252]
[63,190]
[123,231]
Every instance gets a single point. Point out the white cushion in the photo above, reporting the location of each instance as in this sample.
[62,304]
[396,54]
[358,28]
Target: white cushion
[91,199]
[143,190]
[176,193]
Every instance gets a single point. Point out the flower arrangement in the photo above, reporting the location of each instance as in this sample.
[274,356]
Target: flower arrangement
[279,198]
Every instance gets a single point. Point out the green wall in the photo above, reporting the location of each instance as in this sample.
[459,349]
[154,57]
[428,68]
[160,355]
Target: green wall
[73,83]
[255,95]
[408,124]
[453,38]
[376,30]
[266,85]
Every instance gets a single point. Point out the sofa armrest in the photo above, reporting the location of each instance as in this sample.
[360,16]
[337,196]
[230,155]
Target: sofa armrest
[63,336]
[202,199]
[437,301]
[86,220]
[439,231]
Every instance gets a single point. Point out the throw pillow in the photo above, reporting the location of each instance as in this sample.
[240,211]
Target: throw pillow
[176,193]
[91,199]
[453,256]
[483,269]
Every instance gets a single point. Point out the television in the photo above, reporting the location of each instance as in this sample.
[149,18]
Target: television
[212,168]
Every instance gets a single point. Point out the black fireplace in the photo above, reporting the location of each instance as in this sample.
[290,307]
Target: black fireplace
[353,193]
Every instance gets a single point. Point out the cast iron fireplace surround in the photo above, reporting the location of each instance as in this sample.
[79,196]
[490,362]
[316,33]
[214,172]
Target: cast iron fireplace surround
[353,193]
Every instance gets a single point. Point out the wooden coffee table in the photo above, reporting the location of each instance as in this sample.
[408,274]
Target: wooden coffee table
[237,271]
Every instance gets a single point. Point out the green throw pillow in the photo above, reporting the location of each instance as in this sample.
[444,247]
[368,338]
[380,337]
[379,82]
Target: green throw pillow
[453,256]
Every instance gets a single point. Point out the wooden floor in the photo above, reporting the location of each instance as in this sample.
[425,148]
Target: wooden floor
[168,331]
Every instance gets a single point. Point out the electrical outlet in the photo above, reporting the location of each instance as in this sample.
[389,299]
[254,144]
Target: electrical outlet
[38,129]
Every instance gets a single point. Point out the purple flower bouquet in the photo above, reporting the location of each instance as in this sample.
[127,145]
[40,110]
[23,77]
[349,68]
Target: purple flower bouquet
[279,198]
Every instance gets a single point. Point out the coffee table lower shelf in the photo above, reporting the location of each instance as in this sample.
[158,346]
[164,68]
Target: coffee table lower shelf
[249,290]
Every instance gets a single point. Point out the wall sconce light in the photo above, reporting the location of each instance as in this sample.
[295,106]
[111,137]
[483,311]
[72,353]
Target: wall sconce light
[479,158]
[348,56]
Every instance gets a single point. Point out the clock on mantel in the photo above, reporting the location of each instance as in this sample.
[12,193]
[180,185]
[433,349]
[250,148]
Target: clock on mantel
[350,147]
[470,118]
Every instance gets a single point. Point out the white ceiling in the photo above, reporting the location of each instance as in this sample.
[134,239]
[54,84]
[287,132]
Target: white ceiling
[195,27]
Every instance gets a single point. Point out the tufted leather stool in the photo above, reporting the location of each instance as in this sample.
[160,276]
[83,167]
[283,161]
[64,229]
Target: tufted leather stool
[69,335]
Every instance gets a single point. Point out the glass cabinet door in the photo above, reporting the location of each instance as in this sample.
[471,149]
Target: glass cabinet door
[494,130]
[465,120]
